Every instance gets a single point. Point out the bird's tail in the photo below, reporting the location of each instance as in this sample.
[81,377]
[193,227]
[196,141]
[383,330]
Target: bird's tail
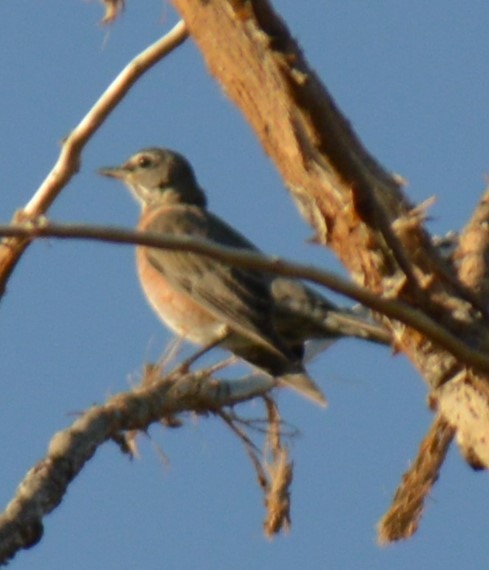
[301,313]
[302,383]
[355,323]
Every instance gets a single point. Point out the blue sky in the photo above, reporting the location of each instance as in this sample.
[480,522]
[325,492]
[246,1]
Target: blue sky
[412,78]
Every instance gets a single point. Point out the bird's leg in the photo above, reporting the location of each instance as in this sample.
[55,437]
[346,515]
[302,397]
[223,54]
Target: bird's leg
[221,337]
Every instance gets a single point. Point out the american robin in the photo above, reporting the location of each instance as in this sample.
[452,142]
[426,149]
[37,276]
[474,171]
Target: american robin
[260,317]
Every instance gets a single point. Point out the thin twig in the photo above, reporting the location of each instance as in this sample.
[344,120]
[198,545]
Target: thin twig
[388,307]
[251,448]
[69,159]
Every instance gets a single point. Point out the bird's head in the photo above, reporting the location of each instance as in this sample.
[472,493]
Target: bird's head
[158,176]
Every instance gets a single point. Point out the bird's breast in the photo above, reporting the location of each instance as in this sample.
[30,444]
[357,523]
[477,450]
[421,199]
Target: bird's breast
[176,309]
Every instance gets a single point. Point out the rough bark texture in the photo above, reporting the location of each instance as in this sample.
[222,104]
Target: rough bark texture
[157,399]
[355,206]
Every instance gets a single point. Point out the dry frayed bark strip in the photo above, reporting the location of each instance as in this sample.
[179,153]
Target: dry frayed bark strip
[402,519]
[277,499]
[464,403]
[279,475]
[44,486]
[471,258]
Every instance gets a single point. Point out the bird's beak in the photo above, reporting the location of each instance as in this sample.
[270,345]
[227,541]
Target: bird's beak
[118,172]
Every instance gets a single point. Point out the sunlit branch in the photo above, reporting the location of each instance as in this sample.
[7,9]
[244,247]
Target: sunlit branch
[390,308]
[68,162]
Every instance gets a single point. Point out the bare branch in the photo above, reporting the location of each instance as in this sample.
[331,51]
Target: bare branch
[43,488]
[69,160]
[391,308]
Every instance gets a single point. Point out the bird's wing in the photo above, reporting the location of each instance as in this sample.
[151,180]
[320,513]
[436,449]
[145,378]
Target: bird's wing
[241,298]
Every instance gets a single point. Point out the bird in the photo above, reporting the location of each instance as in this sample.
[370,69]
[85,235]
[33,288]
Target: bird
[260,317]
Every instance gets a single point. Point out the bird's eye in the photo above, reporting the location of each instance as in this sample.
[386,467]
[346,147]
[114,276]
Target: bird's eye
[144,161]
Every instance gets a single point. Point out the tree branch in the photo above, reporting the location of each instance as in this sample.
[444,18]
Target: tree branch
[390,308]
[355,206]
[44,486]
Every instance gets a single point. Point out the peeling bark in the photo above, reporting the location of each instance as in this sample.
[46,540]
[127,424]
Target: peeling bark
[355,206]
